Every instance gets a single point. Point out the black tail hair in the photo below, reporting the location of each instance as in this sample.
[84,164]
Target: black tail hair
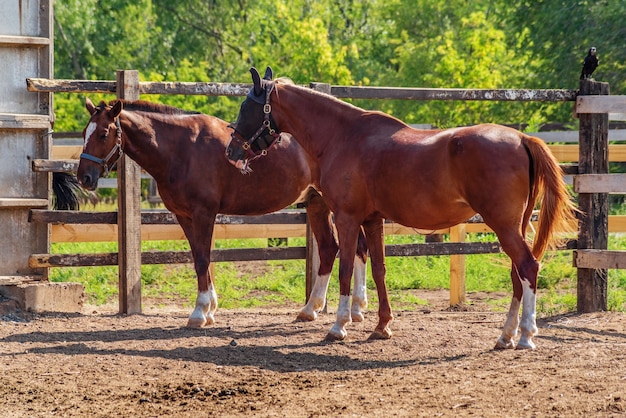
[65,190]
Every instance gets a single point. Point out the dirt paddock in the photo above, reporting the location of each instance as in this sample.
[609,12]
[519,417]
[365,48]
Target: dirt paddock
[263,363]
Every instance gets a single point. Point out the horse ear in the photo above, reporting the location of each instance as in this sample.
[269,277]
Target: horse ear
[90,107]
[256,80]
[116,109]
[268,73]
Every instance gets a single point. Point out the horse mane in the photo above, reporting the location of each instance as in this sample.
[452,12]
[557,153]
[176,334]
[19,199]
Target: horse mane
[339,102]
[288,81]
[151,107]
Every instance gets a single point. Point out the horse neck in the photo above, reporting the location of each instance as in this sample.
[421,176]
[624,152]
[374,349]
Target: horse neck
[312,118]
[139,141]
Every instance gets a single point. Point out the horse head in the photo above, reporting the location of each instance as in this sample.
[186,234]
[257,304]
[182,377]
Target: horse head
[103,143]
[254,132]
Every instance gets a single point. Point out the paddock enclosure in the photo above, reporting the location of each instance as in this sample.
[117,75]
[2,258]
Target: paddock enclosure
[28,158]
[260,362]
[587,162]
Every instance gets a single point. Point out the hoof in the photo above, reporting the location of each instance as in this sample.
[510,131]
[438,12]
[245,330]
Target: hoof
[525,345]
[334,337]
[196,323]
[378,334]
[305,316]
[503,345]
[357,317]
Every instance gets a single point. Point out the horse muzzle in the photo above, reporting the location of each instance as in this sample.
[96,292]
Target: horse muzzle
[88,178]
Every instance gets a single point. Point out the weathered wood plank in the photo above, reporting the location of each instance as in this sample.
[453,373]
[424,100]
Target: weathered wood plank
[145,87]
[600,183]
[441,248]
[195,88]
[162,217]
[69,86]
[55,166]
[24,121]
[26,41]
[599,259]
[22,202]
[565,153]
[401,93]
[600,104]
[108,233]
[237,89]
[252,254]
[13,280]
[168,257]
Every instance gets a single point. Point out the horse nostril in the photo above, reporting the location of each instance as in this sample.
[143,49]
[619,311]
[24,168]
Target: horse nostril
[86,180]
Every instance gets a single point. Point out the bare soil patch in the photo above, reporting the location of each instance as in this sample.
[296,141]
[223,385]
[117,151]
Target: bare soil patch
[439,362]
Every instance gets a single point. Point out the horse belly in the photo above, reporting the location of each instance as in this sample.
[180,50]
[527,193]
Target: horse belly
[429,214]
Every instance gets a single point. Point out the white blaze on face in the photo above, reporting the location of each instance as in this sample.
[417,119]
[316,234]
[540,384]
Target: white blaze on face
[91,128]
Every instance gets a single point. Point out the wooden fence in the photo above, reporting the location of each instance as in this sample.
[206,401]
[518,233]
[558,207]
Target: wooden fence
[131,221]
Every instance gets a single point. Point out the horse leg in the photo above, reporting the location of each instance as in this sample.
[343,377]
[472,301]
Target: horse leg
[359,295]
[524,271]
[206,299]
[375,241]
[321,225]
[348,230]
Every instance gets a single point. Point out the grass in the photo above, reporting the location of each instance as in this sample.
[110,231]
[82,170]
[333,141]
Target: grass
[275,283]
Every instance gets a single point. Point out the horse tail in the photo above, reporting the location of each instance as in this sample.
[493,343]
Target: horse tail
[65,190]
[558,212]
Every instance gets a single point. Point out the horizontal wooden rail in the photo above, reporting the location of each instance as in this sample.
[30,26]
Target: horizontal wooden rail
[24,121]
[600,104]
[254,254]
[562,152]
[23,41]
[235,89]
[264,254]
[150,217]
[79,226]
[145,87]
[600,183]
[599,259]
[403,93]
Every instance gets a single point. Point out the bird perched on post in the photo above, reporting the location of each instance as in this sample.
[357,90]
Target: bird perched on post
[589,64]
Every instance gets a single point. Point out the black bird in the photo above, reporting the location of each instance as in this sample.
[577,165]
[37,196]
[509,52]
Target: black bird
[589,64]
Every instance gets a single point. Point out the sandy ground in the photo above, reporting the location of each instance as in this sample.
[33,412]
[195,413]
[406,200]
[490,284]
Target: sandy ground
[262,363]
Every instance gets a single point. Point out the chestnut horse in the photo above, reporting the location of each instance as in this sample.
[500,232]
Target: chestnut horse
[374,167]
[184,153]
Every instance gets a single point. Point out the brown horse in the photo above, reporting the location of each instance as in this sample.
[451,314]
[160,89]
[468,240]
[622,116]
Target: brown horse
[374,166]
[184,153]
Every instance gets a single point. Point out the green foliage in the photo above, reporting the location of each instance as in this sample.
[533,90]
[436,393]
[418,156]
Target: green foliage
[424,43]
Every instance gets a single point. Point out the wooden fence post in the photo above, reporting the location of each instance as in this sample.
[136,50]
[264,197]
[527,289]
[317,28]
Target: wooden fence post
[457,267]
[129,212]
[593,226]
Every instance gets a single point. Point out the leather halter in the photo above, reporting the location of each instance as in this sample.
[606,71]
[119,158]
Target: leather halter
[116,149]
[266,125]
